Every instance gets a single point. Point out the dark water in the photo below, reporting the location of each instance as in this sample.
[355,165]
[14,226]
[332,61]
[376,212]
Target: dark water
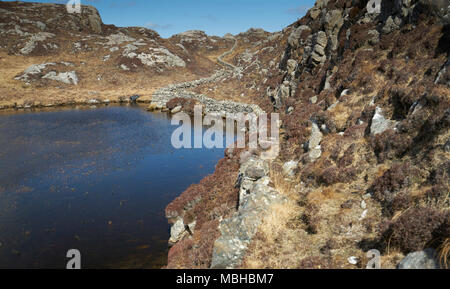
[96,180]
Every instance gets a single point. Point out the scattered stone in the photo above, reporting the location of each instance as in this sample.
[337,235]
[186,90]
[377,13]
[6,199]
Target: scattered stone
[177,109]
[33,42]
[363,215]
[65,77]
[322,39]
[390,25]
[363,205]
[345,92]
[124,67]
[256,168]
[447,146]
[295,35]
[238,230]
[374,37]
[151,107]
[315,150]
[158,56]
[291,65]
[290,168]
[134,98]
[380,123]
[177,232]
[353,260]
[426,259]
[347,205]
[314,13]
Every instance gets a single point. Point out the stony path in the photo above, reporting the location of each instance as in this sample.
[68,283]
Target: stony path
[221,61]
[165,94]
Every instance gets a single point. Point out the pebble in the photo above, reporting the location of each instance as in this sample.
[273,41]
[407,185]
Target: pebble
[353,260]
[363,205]
[364,215]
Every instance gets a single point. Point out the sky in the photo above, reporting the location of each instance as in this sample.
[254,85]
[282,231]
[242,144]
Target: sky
[215,17]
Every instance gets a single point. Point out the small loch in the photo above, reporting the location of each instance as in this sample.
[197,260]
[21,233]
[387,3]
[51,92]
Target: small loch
[92,179]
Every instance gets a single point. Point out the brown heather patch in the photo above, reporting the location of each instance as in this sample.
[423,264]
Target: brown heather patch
[444,253]
[415,229]
[215,196]
[186,104]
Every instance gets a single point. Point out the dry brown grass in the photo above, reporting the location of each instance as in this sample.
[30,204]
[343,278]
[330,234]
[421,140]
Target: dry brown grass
[444,253]
[114,83]
[280,238]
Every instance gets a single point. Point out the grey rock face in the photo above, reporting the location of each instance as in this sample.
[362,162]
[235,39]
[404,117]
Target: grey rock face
[425,259]
[65,77]
[440,8]
[289,168]
[374,37]
[33,41]
[315,151]
[255,168]
[134,98]
[443,76]
[322,39]
[238,230]
[176,109]
[95,22]
[33,70]
[163,95]
[318,53]
[380,123]
[291,65]
[447,146]
[176,231]
[37,71]
[294,37]
[390,25]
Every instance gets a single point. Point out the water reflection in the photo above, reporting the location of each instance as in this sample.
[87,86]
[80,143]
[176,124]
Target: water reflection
[96,180]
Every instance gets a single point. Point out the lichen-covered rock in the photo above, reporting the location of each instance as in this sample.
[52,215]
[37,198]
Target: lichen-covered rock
[177,231]
[296,33]
[38,72]
[34,41]
[255,168]
[315,139]
[290,168]
[238,230]
[379,123]
[65,77]
[426,259]
[291,65]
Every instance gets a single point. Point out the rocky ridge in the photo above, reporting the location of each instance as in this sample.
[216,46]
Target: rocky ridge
[364,106]
[363,100]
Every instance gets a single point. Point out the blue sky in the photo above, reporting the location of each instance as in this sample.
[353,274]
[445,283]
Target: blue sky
[216,17]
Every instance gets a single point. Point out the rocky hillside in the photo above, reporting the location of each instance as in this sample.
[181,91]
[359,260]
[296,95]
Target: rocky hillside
[51,57]
[364,102]
[364,106]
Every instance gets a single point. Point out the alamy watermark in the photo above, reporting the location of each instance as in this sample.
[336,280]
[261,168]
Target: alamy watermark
[374,7]
[73,6]
[236,125]
[375,261]
[75,259]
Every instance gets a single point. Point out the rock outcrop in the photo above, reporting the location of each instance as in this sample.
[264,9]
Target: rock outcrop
[364,123]
[426,259]
[363,99]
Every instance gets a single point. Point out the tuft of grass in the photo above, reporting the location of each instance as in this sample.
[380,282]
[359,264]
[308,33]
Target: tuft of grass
[444,253]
